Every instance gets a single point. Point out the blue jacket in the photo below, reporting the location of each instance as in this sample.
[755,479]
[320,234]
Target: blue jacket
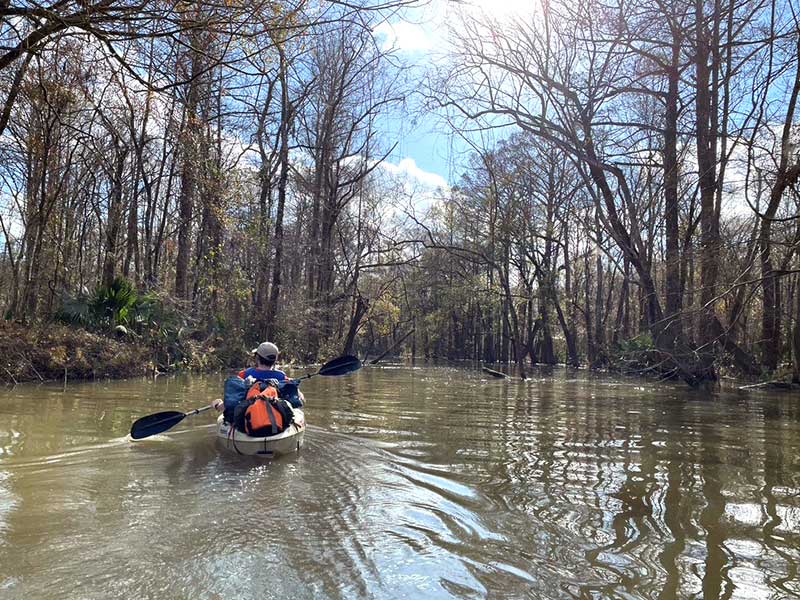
[260,375]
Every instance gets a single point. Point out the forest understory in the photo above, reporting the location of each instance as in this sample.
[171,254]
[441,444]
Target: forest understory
[57,352]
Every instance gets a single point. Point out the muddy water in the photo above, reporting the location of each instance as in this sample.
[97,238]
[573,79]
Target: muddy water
[413,483]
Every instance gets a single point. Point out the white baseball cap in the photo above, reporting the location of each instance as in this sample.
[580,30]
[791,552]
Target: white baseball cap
[266,350]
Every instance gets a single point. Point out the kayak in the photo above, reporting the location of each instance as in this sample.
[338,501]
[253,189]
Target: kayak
[285,442]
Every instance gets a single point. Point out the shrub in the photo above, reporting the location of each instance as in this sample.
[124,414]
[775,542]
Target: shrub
[114,304]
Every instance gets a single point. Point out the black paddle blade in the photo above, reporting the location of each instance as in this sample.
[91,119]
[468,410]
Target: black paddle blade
[157,423]
[340,366]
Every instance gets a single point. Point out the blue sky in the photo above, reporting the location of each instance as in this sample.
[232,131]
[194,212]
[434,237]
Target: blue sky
[425,148]
[419,37]
[426,142]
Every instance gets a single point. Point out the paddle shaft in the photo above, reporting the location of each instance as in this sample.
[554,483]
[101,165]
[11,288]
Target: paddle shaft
[337,366]
[197,411]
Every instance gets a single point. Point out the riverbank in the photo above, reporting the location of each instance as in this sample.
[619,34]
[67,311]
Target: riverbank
[53,351]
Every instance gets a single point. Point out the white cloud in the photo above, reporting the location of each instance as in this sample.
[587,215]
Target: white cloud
[407,169]
[410,189]
[404,36]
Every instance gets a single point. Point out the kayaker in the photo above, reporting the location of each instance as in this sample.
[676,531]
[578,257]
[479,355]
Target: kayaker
[266,357]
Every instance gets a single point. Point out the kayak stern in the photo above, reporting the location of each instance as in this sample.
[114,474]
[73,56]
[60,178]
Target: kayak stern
[286,442]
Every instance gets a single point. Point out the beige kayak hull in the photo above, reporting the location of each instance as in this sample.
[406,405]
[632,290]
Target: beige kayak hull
[285,442]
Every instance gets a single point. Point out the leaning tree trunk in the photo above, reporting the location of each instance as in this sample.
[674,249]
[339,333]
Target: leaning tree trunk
[360,307]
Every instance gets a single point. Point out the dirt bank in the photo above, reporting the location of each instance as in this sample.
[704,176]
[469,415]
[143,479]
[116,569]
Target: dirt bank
[53,351]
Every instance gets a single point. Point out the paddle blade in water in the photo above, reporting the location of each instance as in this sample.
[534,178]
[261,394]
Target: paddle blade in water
[340,366]
[154,424]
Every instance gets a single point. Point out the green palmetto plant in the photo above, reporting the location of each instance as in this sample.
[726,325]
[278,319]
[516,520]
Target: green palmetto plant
[114,304]
[76,310]
[154,319]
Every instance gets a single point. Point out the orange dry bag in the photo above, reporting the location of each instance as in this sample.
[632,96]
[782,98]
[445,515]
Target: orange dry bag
[263,418]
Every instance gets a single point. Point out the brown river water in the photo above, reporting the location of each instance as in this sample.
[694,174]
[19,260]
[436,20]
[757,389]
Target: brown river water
[414,482]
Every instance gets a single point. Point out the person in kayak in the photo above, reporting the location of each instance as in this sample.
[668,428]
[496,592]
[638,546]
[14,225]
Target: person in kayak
[266,357]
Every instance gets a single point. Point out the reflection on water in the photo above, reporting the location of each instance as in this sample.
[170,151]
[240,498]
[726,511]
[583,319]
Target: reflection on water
[414,483]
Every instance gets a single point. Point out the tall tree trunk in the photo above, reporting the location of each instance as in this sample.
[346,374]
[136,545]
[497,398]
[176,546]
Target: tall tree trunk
[599,331]
[283,158]
[571,296]
[189,159]
[132,238]
[267,152]
[786,177]
[621,313]
[674,327]
[709,221]
[211,186]
[796,334]
[114,222]
[511,317]
[591,347]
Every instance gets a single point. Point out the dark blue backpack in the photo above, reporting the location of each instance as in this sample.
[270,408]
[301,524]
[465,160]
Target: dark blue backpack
[288,390]
[235,392]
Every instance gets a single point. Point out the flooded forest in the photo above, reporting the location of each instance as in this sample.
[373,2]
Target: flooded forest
[186,178]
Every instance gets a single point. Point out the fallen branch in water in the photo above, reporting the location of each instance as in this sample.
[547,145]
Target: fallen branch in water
[501,375]
[30,362]
[10,375]
[779,383]
[494,373]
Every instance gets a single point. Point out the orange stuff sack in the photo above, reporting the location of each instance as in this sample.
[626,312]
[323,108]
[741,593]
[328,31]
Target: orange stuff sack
[263,418]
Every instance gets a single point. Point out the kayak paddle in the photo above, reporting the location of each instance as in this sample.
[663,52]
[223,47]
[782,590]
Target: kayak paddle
[338,366]
[161,422]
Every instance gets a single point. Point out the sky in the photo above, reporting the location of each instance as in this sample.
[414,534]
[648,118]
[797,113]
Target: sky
[426,148]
